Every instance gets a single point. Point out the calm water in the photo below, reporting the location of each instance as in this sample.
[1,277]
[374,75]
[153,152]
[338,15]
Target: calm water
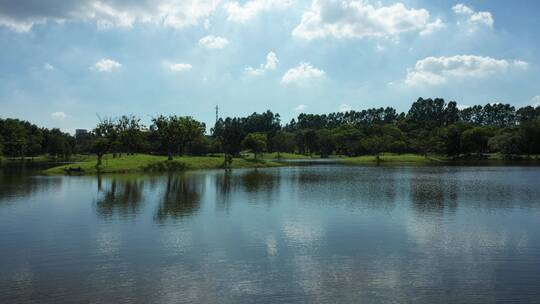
[310,234]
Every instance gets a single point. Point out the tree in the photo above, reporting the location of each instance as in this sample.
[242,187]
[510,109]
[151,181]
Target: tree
[283,142]
[347,140]
[106,129]
[530,134]
[506,143]
[427,113]
[57,144]
[100,147]
[451,113]
[475,140]
[129,129]
[230,133]
[452,138]
[255,142]
[189,130]
[528,113]
[1,145]
[377,144]
[326,141]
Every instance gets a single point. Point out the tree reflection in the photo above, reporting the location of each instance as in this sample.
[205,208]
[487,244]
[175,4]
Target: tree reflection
[434,194]
[117,195]
[223,189]
[181,197]
[256,180]
[17,180]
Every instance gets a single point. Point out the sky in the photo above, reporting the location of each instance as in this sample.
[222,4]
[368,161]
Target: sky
[65,63]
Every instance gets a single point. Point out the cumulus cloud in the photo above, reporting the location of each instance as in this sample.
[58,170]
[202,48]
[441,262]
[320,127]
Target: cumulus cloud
[304,71]
[242,13]
[213,42]
[48,67]
[21,15]
[105,65]
[180,67]
[344,107]
[472,18]
[358,19]
[300,108]
[438,70]
[270,64]
[58,115]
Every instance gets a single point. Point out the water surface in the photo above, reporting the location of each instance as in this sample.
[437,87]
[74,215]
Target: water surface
[309,234]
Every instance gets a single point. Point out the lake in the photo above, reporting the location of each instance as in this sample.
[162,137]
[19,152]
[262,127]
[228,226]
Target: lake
[303,234]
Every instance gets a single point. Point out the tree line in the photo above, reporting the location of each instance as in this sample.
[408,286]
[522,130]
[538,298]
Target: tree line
[429,126]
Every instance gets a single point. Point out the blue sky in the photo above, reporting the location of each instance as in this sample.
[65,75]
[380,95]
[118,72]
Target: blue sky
[63,62]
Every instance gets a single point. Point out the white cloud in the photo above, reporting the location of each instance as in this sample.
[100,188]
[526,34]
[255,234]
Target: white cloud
[20,16]
[105,65]
[180,67]
[18,25]
[300,108]
[58,115]
[213,42]
[344,107]
[48,67]
[270,64]
[536,101]
[242,13]
[521,64]
[462,9]
[303,71]
[433,27]
[438,70]
[358,19]
[472,18]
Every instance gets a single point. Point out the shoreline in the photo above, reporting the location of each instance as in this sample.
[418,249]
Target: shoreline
[145,163]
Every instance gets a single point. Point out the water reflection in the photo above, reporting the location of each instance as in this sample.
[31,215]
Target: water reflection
[181,197]
[318,234]
[119,195]
[20,180]
[433,192]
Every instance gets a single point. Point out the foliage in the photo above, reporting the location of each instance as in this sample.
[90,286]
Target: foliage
[429,126]
[255,142]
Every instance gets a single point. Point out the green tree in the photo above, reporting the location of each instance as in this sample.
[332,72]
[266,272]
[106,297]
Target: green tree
[326,141]
[506,143]
[255,142]
[130,133]
[1,145]
[100,147]
[377,144]
[475,140]
[283,142]
[348,140]
[230,133]
[107,129]
[530,134]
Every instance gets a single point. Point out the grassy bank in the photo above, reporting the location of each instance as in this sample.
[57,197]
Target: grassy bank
[394,158]
[153,163]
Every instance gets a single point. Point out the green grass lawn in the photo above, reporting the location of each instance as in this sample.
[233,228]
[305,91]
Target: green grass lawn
[149,163]
[394,158]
